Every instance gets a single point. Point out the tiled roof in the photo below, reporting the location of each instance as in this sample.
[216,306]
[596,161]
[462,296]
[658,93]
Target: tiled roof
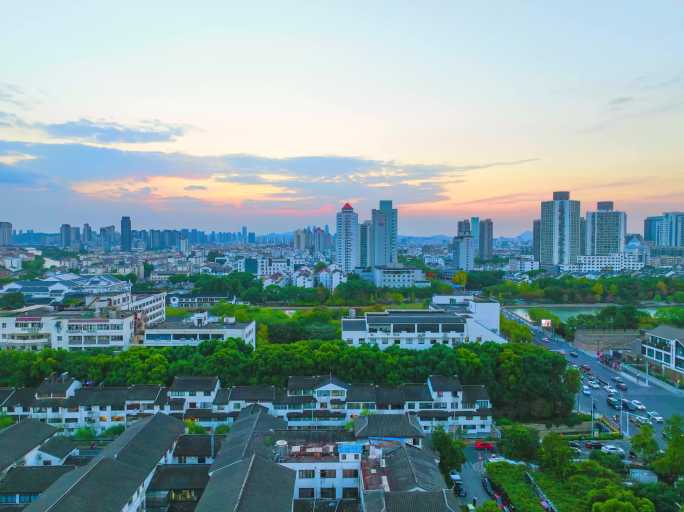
[197,383]
[387,425]
[20,438]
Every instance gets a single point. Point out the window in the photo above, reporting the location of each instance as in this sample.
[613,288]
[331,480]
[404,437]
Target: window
[306,492]
[350,493]
[328,493]
[328,473]
[306,474]
[201,460]
[350,473]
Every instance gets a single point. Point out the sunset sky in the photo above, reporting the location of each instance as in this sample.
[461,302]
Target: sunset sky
[215,114]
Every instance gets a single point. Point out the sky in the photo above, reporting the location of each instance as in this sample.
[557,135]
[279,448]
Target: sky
[218,114]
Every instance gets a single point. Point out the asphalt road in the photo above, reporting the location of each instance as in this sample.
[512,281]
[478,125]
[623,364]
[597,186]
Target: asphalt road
[653,397]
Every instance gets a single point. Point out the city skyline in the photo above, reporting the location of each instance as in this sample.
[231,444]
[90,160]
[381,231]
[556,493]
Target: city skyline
[231,115]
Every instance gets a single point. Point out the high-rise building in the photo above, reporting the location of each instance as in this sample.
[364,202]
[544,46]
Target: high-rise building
[560,231]
[384,234]
[475,233]
[87,233]
[366,244]
[107,237]
[65,236]
[536,238]
[463,252]
[5,233]
[75,236]
[653,229]
[485,238]
[464,228]
[126,242]
[251,237]
[244,234]
[606,230]
[347,239]
[583,236]
[673,229]
[299,240]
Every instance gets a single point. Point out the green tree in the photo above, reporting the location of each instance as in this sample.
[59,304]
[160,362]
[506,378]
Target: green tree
[85,434]
[5,421]
[519,442]
[670,465]
[222,430]
[488,506]
[450,451]
[555,455]
[12,300]
[112,432]
[192,427]
[644,443]
[611,461]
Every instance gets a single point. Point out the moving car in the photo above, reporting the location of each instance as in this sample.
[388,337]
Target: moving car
[640,420]
[585,368]
[638,405]
[611,448]
[622,386]
[593,384]
[484,445]
[616,378]
[574,354]
[614,402]
[575,444]
[655,416]
[610,390]
[586,390]
[593,445]
[627,405]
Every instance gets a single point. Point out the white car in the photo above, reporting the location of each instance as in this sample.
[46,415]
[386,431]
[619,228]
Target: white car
[611,390]
[611,448]
[586,390]
[655,416]
[593,384]
[638,405]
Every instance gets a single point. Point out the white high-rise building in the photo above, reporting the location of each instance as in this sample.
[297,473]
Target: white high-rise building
[560,231]
[463,254]
[673,229]
[606,230]
[347,239]
[384,221]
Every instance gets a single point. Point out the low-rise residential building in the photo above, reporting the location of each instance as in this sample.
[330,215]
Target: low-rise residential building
[664,346]
[422,329]
[198,328]
[55,288]
[20,443]
[68,330]
[618,262]
[399,277]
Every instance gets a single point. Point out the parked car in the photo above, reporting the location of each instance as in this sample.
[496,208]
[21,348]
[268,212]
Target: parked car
[484,445]
[638,405]
[487,486]
[593,445]
[627,405]
[655,416]
[611,448]
[586,390]
[575,444]
[640,420]
[593,384]
[610,390]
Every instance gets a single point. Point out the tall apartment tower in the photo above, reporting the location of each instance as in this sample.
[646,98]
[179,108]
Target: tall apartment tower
[126,242]
[484,242]
[560,231]
[463,252]
[87,233]
[366,244]
[347,239]
[673,229]
[65,236]
[536,238]
[475,233]
[5,233]
[653,229]
[606,230]
[464,228]
[384,234]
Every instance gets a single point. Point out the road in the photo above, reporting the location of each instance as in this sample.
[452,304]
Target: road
[653,397]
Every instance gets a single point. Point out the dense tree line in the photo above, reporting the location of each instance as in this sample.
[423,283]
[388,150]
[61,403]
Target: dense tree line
[524,381]
[610,317]
[572,290]
[355,292]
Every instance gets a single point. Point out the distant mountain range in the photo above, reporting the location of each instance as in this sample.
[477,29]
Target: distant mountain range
[524,237]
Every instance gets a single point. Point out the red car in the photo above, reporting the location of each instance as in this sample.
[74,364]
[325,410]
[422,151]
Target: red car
[484,445]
